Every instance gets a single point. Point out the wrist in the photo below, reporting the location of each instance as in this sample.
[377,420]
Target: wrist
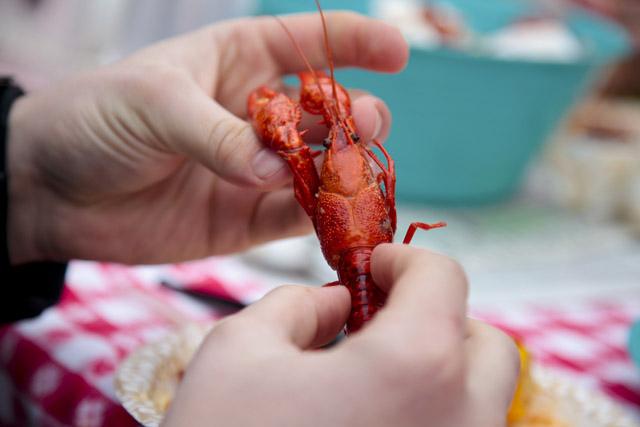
[23,227]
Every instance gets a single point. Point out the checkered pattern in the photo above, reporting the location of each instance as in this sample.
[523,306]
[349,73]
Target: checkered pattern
[58,369]
[585,340]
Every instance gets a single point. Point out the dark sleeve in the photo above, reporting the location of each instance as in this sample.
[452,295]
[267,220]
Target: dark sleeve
[25,290]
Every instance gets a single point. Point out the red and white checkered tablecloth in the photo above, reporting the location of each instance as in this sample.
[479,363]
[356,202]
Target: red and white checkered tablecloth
[585,340]
[57,370]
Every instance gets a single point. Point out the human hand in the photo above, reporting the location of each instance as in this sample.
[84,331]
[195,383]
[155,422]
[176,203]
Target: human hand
[419,362]
[149,160]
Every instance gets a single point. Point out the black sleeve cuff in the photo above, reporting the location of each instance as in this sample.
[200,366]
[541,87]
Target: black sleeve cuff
[29,289]
[25,290]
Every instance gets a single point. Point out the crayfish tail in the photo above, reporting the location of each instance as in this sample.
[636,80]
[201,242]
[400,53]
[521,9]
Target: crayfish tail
[354,272]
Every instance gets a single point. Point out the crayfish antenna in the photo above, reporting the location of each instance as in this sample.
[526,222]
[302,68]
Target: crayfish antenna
[304,59]
[329,53]
[344,123]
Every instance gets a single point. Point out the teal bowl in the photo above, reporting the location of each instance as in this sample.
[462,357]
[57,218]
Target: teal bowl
[466,126]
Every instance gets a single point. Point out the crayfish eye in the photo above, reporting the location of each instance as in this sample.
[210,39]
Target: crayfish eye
[355,137]
[326,143]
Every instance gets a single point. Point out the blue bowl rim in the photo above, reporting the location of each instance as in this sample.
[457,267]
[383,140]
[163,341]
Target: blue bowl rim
[465,55]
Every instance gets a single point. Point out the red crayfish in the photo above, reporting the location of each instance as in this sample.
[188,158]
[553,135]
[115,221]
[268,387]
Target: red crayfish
[351,202]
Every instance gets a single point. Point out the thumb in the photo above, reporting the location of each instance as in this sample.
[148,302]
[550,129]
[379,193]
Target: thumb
[427,294]
[305,317]
[206,132]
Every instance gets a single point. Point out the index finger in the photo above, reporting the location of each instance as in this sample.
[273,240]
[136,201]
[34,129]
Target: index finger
[427,293]
[354,39]
[303,317]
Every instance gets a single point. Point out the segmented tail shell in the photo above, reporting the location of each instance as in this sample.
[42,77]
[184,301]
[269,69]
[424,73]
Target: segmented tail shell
[367,298]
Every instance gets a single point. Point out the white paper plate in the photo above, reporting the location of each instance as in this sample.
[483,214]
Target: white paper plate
[147,380]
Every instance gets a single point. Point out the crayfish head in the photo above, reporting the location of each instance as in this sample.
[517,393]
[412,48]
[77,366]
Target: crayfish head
[316,96]
[345,170]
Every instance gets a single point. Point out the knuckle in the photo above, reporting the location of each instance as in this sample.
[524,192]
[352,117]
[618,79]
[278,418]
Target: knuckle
[227,137]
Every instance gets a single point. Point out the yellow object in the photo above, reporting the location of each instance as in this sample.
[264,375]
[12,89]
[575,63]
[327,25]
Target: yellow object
[524,390]
[531,406]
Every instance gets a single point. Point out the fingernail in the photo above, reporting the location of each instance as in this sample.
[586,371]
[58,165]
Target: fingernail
[378,126]
[266,163]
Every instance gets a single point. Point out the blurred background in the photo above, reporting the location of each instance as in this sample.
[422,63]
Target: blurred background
[516,121]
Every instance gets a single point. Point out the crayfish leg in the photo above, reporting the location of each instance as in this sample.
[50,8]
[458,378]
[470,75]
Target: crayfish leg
[331,284]
[411,231]
[389,176]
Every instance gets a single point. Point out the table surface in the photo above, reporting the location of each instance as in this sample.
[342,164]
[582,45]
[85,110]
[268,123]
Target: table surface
[567,287]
